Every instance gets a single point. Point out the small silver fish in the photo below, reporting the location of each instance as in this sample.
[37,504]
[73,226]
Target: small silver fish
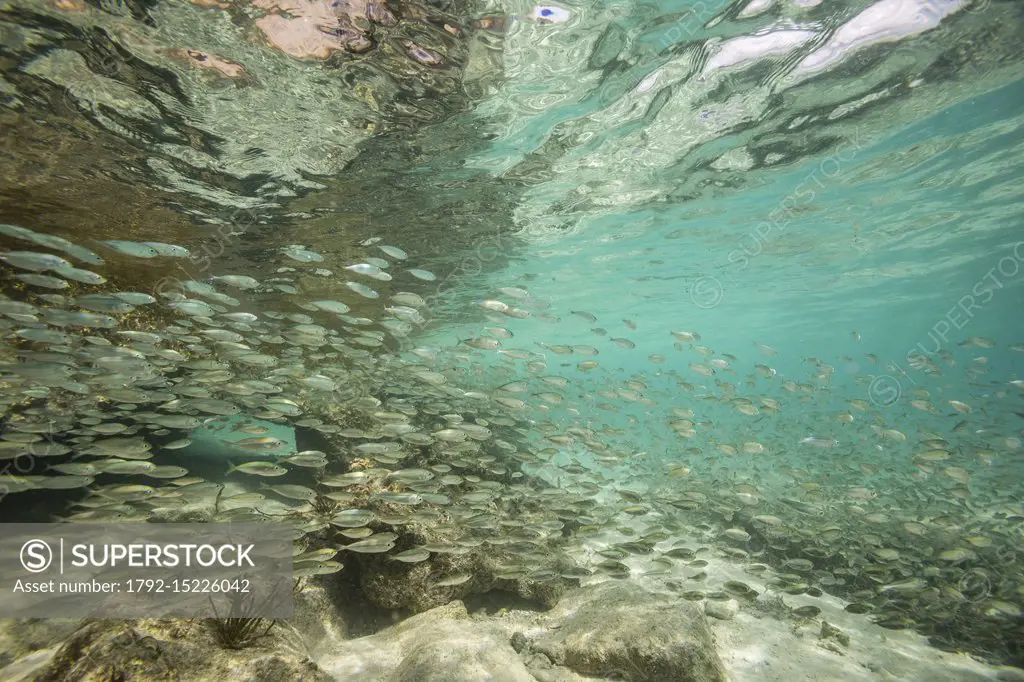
[124,466]
[368,270]
[362,290]
[482,343]
[258,469]
[370,546]
[128,248]
[101,303]
[44,336]
[31,260]
[425,275]
[134,297]
[412,556]
[166,471]
[45,281]
[583,315]
[237,281]
[302,255]
[53,242]
[393,251]
[313,459]
[258,443]
[304,569]
[169,250]
[331,306]
[820,442]
[79,275]
[193,307]
[293,492]
[454,579]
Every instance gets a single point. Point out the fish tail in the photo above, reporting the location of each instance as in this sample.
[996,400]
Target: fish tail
[231,468]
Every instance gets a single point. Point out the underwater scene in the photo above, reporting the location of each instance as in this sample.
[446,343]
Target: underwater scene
[595,340]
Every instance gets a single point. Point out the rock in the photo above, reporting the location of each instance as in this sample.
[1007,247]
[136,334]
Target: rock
[479,658]
[829,645]
[829,631]
[722,610]
[546,593]
[315,622]
[394,585]
[543,670]
[623,627]
[28,645]
[277,667]
[167,649]
[301,32]
[519,642]
[444,643]
[28,667]
[23,635]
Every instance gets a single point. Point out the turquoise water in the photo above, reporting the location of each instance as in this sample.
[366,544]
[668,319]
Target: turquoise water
[888,249]
[883,273]
[728,269]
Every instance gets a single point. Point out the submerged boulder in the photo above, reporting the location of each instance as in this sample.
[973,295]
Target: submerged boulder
[441,644]
[483,657]
[624,629]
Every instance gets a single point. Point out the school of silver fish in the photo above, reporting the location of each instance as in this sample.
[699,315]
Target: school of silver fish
[910,510]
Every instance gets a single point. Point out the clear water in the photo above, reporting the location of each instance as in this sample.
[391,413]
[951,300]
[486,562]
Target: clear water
[830,196]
